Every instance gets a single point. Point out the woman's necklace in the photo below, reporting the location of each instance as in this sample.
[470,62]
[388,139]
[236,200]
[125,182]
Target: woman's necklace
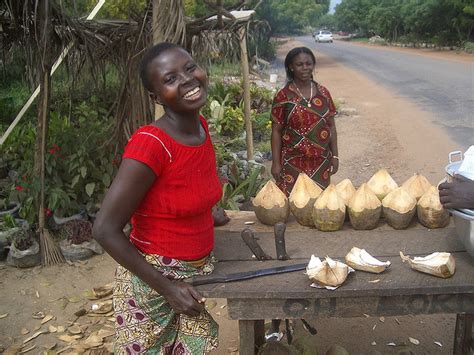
[308,103]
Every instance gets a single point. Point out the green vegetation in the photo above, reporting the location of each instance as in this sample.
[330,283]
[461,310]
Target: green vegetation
[441,22]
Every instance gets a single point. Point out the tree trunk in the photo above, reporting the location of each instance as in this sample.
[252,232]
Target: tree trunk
[44,27]
[245,74]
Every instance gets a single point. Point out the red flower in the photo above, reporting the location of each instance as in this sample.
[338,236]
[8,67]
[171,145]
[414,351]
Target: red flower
[48,212]
[55,149]
[19,188]
[24,177]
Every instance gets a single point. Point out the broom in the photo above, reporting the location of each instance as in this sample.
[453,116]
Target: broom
[50,252]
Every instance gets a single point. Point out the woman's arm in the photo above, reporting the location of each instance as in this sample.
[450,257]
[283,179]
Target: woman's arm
[276,150]
[333,145]
[131,184]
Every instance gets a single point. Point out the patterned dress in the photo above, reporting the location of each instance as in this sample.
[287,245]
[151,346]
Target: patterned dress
[305,135]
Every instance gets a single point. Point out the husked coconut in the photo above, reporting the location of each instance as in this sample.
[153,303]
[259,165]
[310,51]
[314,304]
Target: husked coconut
[271,205]
[346,190]
[417,185]
[381,183]
[437,264]
[431,212]
[364,208]
[328,272]
[399,207]
[302,199]
[359,259]
[329,210]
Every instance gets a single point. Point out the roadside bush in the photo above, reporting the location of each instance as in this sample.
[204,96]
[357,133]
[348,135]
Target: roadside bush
[79,166]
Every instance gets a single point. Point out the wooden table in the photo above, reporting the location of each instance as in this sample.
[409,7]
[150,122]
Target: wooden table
[399,291]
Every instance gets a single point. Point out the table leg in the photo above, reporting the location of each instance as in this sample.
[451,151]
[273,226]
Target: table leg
[252,336]
[463,333]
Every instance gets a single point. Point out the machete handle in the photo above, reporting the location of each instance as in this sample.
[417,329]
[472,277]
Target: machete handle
[279,229]
[249,239]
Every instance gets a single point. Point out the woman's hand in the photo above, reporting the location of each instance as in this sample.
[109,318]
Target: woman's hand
[219,216]
[457,194]
[276,171]
[334,165]
[184,298]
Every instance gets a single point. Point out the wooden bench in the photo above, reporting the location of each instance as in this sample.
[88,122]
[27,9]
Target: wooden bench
[399,291]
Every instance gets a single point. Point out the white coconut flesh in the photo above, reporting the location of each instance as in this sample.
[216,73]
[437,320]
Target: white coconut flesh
[328,272]
[381,183]
[364,199]
[400,201]
[270,196]
[303,191]
[346,190]
[363,258]
[417,185]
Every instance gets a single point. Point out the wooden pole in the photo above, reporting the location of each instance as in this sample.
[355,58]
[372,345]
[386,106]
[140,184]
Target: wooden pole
[157,38]
[244,63]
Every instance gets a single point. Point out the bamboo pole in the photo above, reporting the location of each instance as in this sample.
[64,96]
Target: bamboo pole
[245,74]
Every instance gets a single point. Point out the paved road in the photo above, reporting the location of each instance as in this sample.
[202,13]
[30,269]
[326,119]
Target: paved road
[443,87]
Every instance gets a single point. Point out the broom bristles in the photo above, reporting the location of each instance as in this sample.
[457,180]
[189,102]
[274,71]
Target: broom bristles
[50,252]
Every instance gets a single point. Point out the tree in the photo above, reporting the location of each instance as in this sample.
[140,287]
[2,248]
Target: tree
[289,17]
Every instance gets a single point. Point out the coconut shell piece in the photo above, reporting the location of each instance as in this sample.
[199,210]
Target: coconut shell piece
[359,259]
[430,211]
[302,199]
[437,264]
[271,205]
[328,272]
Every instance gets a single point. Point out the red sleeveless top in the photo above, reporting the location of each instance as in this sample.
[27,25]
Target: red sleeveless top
[174,218]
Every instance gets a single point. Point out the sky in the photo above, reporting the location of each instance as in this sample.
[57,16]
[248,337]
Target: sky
[333,5]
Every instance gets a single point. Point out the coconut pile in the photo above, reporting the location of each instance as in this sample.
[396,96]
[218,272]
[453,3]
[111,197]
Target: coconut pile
[379,198]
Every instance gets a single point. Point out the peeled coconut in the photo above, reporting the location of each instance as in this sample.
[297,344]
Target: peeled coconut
[381,183]
[437,264]
[328,272]
[417,185]
[430,211]
[346,190]
[302,199]
[329,210]
[359,259]
[271,205]
[364,209]
[399,207]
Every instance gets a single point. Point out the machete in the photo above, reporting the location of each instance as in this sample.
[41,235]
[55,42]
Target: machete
[244,275]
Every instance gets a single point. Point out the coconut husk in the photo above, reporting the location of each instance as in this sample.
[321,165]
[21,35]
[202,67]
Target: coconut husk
[271,205]
[381,183]
[430,211]
[399,207]
[364,209]
[329,210]
[302,199]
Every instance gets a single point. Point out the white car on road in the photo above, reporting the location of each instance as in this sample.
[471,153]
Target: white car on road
[323,36]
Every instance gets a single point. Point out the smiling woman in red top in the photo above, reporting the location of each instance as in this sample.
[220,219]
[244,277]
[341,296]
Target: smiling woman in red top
[167,186]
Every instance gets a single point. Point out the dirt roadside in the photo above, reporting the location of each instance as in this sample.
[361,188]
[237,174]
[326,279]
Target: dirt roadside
[382,130]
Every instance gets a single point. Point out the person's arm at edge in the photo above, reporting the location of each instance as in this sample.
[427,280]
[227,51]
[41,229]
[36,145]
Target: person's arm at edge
[333,145]
[132,182]
[276,150]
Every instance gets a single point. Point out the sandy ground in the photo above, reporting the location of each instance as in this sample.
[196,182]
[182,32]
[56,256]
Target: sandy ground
[382,131]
